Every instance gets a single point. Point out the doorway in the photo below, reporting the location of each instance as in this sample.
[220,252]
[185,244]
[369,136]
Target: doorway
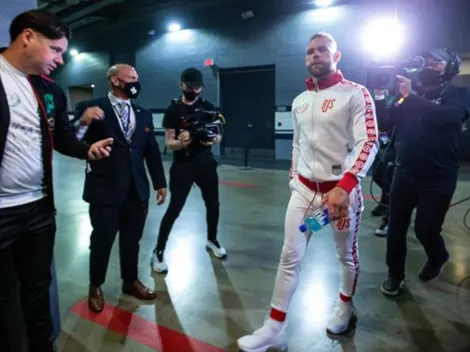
[247,100]
[80,93]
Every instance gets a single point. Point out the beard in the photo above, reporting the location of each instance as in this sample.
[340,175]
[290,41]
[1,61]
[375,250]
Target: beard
[320,70]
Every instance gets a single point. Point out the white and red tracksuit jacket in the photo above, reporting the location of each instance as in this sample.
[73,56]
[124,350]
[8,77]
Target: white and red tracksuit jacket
[335,132]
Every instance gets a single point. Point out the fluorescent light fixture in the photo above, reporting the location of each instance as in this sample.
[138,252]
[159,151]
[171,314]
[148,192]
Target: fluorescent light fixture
[74,52]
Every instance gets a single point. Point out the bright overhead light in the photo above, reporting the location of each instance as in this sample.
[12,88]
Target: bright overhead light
[383,37]
[74,52]
[174,27]
[92,86]
[323,3]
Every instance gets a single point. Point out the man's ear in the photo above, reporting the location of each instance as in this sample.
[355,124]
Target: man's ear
[27,36]
[114,81]
[337,56]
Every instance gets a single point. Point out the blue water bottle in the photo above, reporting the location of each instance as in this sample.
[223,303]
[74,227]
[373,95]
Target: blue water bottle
[315,222]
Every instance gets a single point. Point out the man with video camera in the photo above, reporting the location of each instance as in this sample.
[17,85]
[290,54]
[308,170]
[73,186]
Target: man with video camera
[427,125]
[192,126]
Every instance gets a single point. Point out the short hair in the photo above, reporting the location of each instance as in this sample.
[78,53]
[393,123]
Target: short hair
[43,22]
[114,70]
[327,36]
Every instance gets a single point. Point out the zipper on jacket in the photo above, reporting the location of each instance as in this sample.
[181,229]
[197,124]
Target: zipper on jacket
[313,131]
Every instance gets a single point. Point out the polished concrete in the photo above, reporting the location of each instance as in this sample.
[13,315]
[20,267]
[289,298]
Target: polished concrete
[204,299]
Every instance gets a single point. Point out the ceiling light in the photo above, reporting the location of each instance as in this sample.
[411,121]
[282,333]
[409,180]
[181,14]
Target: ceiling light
[323,3]
[174,27]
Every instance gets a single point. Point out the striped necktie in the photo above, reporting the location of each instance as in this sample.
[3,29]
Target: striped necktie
[124,116]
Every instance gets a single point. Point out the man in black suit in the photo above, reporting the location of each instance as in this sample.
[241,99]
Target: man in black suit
[118,189]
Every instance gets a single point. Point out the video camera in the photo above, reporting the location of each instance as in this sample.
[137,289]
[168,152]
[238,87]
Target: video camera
[204,125]
[383,76]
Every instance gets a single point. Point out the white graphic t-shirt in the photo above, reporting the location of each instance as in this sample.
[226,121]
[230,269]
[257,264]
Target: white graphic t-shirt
[21,170]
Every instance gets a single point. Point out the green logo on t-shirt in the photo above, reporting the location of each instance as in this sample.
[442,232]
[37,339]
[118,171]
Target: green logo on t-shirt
[50,104]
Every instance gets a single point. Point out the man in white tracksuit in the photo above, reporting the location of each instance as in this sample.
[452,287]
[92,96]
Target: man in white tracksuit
[334,145]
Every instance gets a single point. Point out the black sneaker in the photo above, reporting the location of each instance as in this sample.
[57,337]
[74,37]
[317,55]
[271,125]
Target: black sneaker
[379,210]
[430,272]
[392,286]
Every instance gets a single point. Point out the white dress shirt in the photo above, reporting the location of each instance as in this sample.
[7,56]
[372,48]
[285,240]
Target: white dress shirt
[114,100]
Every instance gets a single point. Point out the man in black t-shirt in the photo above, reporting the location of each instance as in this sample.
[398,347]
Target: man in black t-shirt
[193,162]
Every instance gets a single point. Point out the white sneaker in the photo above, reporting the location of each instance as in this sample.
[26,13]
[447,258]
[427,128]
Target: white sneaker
[339,321]
[382,230]
[272,334]
[158,263]
[216,248]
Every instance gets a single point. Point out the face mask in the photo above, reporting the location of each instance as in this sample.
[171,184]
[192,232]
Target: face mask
[190,96]
[430,77]
[132,89]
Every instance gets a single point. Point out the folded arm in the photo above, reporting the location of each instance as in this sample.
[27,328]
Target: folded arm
[452,112]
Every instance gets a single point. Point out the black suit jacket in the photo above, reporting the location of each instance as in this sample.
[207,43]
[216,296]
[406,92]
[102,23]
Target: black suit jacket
[108,180]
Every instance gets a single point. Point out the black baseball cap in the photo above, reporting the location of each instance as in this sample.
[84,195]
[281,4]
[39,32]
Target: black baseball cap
[438,54]
[192,77]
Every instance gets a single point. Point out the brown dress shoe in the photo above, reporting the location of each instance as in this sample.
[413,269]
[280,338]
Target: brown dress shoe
[95,299]
[138,290]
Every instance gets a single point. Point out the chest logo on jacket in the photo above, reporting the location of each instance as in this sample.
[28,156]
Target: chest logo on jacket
[327,104]
[301,109]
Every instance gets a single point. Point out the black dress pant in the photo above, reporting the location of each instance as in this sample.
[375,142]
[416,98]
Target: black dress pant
[202,171]
[27,236]
[432,200]
[129,220]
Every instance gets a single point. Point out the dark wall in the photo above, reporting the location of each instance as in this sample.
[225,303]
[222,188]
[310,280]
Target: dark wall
[276,35]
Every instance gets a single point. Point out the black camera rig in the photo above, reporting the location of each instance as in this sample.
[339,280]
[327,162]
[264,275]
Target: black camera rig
[203,125]
[382,76]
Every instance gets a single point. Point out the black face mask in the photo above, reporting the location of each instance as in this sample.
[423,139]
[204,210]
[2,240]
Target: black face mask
[190,96]
[131,89]
[430,77]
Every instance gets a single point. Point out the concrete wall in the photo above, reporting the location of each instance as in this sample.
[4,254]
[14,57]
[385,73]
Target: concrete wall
[9,9]
[270,38]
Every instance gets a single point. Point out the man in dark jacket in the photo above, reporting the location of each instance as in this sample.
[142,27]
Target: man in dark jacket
[427,125]
[117,188]
[33,122]
[382,176]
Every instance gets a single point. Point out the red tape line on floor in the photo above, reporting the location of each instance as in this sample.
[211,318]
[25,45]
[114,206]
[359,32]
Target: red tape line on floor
[143,331]
[237,184]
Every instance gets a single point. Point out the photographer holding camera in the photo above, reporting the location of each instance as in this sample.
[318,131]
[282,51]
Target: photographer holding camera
[427,123]
[187,133]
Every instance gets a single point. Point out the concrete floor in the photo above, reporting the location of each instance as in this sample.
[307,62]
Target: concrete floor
[205,304]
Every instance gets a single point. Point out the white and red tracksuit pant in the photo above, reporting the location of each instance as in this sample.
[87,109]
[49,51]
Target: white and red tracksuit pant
[345,233]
